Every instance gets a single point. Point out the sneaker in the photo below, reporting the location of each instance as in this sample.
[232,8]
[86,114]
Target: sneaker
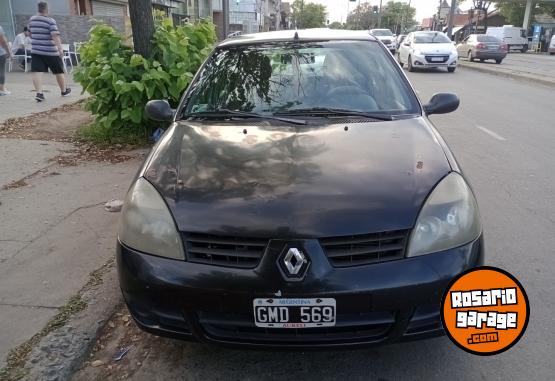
[66,93]
[4,92]
[39,97]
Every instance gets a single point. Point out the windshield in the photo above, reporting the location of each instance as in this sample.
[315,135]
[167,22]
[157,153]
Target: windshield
[431,38]
[484,38]
[381,32]
[281,77]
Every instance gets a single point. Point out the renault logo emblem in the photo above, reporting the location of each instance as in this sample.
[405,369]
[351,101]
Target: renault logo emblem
[294,260]
[293,263]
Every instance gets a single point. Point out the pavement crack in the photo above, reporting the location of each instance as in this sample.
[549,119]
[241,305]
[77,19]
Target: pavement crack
[52,226]
[29,306]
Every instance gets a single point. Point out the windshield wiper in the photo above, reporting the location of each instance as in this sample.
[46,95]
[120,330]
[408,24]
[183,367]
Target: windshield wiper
[223,112]
[328,111]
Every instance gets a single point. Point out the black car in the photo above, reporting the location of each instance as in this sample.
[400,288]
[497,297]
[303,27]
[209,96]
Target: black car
[300,198]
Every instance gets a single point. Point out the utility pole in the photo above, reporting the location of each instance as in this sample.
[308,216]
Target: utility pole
[225,9]
[451,17]
[406,10]
[380,16]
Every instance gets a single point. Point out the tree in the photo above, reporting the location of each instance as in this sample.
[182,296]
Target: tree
[395,16]
[513,11]
[142,25]
[362,17]
[336,25]
[308,15]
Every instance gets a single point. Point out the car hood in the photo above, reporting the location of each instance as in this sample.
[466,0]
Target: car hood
[446,48]
[296,181]
[389,38]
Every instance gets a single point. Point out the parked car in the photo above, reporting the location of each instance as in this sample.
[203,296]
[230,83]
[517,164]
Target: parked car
[515,38]
[551,48]
[385,36]
[399,40]
[482,47]
[422,50]
[300,198]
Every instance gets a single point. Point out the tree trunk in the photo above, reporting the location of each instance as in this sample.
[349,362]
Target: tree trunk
[142,24]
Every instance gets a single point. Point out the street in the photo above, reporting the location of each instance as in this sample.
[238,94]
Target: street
[503,137]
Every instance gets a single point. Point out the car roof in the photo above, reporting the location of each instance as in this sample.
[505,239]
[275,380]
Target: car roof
[319,34]
[427,32]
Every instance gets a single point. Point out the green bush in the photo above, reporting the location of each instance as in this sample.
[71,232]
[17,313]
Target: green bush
[121,83]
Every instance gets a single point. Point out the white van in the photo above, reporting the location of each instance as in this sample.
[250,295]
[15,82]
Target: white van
[513,36]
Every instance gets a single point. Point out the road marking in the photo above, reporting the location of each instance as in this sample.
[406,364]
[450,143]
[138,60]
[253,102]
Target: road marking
[491,133]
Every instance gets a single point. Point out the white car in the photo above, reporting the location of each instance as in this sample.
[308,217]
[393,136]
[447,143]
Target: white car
[428,50]
[386,37]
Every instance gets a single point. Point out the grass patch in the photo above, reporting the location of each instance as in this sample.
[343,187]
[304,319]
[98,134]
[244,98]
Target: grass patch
[102,136]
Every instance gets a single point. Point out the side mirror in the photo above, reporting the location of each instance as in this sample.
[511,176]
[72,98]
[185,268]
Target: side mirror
[442,103]
[159,110]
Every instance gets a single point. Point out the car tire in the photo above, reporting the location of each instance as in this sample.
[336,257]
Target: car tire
[498,61]
[451,69]
[409,65]
[470,56]
[552,54]
[524,50]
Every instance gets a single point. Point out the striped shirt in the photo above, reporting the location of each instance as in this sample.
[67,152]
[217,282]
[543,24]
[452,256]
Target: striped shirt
[42,28]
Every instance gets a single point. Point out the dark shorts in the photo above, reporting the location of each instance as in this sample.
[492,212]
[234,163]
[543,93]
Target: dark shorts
[40,63]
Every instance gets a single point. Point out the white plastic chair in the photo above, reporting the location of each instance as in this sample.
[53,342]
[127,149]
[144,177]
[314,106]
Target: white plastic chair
[26,56]
[66,57]
[75,52]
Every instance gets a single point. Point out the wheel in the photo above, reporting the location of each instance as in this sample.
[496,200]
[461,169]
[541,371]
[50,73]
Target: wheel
[470,56]
[451,69]
[552,54]
[524,50]
[482,60]
[399,60]
[409,64]
[498,61]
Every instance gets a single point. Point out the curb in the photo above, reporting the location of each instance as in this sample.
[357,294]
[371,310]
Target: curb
[62,351]
[506,74]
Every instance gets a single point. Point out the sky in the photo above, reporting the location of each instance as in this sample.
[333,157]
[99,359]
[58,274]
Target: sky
[338,9]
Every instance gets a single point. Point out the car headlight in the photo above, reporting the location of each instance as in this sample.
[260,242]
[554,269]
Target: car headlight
[448,219]
[146,224]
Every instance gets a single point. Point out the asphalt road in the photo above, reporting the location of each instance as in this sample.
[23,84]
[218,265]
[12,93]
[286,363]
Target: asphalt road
[504,138]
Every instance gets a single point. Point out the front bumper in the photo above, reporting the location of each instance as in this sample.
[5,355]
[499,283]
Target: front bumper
[425,61]
[376,304]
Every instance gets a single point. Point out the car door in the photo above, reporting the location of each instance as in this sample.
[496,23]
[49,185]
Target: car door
[404,49]
[462,48]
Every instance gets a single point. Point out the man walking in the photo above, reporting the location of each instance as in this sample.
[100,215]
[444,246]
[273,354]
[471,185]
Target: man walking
[46,51]
[4,55]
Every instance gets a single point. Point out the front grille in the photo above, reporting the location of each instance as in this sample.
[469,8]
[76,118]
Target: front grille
[386,42]
[356,250]
[360,327]
[227,251]
[431,59]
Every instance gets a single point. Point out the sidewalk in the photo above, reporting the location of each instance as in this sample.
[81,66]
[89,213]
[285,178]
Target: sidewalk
[54,230]
[22,102]
[539,68]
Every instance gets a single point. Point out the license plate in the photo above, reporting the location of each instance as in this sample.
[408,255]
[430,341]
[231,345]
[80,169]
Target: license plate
[437,59]
[294,313]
